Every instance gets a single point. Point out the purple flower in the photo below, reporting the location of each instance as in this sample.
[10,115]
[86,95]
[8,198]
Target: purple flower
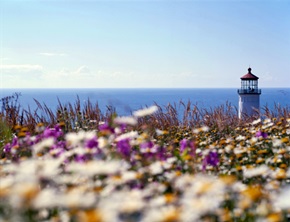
[161,153]
[146,146]
[80,158]
[106,128]
[183,145]
[14,141]
[261,134]
[123,127]
[59,144]
[92,143]
[52,132]
[58,148]
[211,158]
[123,146]
[7,148]
[187,145]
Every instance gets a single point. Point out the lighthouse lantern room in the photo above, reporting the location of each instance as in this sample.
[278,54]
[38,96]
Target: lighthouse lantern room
[249,95]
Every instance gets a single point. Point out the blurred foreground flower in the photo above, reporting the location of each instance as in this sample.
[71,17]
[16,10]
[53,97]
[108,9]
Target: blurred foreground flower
[145,112]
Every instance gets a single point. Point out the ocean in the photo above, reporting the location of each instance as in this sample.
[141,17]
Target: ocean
[127,100]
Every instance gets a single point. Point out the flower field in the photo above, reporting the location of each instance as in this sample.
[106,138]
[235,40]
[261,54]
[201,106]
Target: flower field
[86,166]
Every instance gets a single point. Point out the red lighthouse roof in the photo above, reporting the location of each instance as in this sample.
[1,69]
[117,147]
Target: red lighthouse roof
[249,76]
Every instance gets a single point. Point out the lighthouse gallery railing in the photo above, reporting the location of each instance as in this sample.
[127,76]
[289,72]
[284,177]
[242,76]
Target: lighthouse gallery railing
[249,91]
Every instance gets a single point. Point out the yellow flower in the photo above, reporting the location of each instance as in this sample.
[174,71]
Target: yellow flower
[139,176]
[228,179]
[274,217]
[283,166]
[24,129]
[239,168]
[187,157]
[4,192]
[222,142]
[89,216]
[262,151]
[169,198]
[249,166]
[279,123]
[275,159]
[17,127]
[225,215]
[239,155]
[251,149]
[244,203]
[285,140]
[178,173]
[98,189]
[253,192]
[259,160]
[281,174]
[171,216]
[21,134]
[61,124]
[242,143]
[39,124]
[282,151]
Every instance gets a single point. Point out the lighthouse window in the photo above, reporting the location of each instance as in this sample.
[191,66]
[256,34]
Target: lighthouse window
[249,86]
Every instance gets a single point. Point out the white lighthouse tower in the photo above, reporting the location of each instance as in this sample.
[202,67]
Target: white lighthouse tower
[249,95]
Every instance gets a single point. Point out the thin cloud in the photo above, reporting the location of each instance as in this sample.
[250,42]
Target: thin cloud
[68,75]
[83,70]
[52,54]
[19,69]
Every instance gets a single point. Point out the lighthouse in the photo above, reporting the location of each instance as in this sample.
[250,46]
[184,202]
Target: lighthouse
[249,95]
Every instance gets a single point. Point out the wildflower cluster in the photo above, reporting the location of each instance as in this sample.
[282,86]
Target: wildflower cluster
[118,172]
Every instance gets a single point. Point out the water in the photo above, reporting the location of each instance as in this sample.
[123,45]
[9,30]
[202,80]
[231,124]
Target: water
[127,100]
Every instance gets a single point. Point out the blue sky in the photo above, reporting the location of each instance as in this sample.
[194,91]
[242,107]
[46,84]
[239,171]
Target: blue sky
[129,44]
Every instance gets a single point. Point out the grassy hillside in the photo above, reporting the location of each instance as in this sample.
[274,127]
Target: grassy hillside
[81,164]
